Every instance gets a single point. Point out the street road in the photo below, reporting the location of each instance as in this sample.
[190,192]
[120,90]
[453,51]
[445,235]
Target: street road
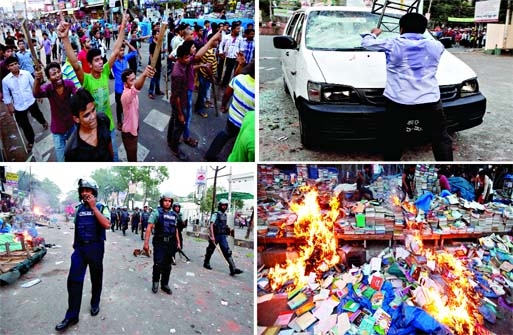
[203,301]
[490,141]
[153,120]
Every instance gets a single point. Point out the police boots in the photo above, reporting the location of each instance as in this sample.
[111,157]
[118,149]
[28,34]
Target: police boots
[155,287]
[233,269]
[206,262]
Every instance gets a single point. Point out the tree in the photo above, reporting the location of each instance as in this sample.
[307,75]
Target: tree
[206,201]
[43,193]
[108,182]
[442,9]
[238,204]
[149,177]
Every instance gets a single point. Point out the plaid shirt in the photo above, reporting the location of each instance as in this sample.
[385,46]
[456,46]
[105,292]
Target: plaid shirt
[231,46]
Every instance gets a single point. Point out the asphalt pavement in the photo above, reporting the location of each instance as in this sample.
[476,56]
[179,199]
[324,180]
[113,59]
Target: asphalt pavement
[153,121]
[203,301]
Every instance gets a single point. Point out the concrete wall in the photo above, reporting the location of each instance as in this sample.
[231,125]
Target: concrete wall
[495,36]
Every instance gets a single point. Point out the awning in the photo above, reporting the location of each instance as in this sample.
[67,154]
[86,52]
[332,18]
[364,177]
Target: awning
[65,10]
[461,19]
[235,196]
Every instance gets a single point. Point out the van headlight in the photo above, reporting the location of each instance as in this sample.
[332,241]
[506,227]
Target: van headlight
[314,91]
[469,87]
[329,93]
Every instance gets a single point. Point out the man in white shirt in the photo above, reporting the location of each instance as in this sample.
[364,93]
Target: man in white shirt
[229,49]
[18,97]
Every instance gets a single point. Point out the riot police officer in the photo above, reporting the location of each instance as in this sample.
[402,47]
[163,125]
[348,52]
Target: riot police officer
[90,226]
[124,217]
[165,241]
[136,218]
[145,215]
[113,218]
[118,221]
[218,234]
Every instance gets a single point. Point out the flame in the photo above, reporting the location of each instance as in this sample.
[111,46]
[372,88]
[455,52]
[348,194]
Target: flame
[25,234]
[37,210]
[409,207]
[458,310]
[319,252]
[396,201]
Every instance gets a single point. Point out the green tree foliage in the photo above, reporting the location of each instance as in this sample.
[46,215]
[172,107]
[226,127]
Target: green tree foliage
[442,9]
[108,182]
[238,204]
[149,177]
[206,201]
[44,193]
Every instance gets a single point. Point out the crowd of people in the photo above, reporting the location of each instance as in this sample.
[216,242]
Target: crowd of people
[80,60]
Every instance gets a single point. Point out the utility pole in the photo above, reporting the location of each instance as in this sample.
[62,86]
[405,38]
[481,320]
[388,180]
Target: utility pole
[217,169]
[506,25]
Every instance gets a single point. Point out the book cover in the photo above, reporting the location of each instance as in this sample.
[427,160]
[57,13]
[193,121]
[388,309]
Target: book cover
[367,326]
[297,301]
[377,299]
[284,318]
[383,321]
[305,308]
[369,292]
[351,306]
[305,320]
[377,282]
[294,292]
[272,330]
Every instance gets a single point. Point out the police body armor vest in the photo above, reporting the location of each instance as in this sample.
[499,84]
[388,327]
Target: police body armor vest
[113,216]
[124,217]
[221,224]
[86,225]
[144,217]
[166,223]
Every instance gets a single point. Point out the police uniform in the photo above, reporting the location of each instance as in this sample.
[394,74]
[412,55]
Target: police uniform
[181,224]
[164,244]
[113,218]
[136,218]
[145,215]
[221,231]
[124,217]
[89,248]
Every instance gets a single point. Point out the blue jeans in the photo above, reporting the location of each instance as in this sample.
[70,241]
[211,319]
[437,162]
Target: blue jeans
[114,146]
[59,142]
[188,115]
[155,83]
[204,85]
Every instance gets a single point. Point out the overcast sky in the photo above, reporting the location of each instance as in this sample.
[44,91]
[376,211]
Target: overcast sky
[181,182]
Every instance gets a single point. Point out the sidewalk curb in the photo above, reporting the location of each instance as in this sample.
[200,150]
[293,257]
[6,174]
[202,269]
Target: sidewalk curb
[238,242]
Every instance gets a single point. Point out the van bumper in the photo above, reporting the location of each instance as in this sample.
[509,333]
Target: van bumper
[355,123]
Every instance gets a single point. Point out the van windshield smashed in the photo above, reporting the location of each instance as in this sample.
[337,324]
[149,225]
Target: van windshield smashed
[340,30]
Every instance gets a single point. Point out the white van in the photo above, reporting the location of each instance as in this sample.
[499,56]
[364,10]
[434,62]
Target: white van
[337,86]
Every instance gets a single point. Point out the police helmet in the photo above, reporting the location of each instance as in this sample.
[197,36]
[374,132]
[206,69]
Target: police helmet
[124,207]
[87,183]
[221,203]
[165,196]
[177,204]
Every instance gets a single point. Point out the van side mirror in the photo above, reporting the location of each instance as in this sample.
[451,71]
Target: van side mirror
[284,42]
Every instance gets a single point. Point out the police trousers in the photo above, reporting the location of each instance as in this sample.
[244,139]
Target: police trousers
[91,255]
[162,257]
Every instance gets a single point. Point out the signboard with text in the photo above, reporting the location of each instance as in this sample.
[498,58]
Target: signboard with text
[487,11]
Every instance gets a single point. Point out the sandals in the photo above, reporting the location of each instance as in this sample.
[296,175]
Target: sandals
[191,142]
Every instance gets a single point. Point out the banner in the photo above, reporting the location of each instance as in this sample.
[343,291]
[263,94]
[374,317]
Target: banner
[11,179]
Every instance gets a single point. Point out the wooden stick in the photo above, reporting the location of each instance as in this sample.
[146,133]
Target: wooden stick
[37,63]
[156,52]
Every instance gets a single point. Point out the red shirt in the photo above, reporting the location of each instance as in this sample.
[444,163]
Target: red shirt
[82,57]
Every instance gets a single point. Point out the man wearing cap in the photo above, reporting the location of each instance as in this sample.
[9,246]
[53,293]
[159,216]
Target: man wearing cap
[18,97]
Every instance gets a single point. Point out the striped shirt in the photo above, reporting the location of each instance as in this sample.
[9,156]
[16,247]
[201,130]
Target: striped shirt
[243,99]
[248,47]
[69,73]
[208,57]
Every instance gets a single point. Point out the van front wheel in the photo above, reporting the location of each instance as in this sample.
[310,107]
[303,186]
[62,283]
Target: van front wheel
[307,139]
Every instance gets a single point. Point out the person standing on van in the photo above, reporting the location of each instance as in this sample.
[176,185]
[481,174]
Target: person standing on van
[411,91]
